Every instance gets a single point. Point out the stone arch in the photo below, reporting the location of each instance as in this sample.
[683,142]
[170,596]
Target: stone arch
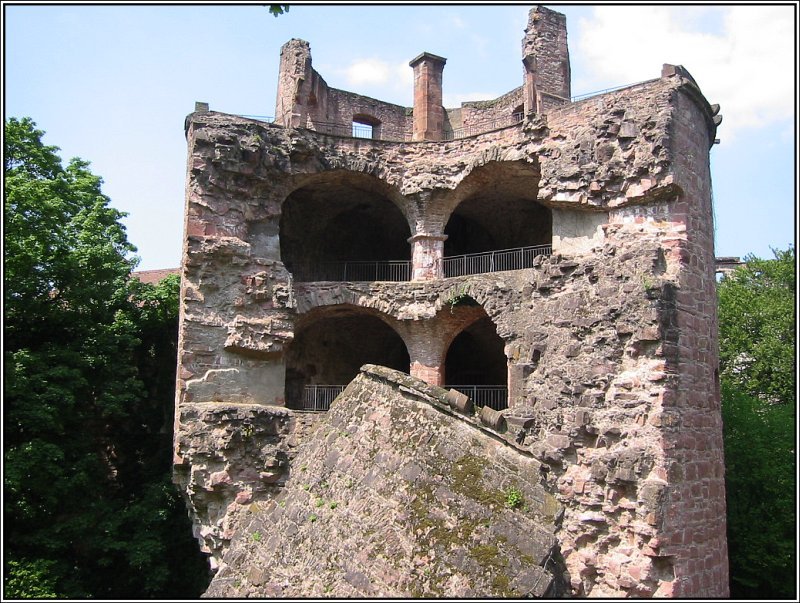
[341,216]
[331,343]
[495,207]
[475,356]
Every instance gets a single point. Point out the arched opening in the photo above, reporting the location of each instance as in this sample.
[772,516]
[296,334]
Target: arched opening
[366,126]
[518,113]
[343,226]
[476,365]
[330,346]
[498,224]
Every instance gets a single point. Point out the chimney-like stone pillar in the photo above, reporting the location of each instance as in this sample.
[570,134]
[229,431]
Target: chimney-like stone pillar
[428,109]
[545,56]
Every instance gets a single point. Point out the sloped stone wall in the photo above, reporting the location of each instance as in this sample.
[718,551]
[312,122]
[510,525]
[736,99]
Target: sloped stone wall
[397,495]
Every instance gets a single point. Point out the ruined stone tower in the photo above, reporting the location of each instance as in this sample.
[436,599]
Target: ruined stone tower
[552,260]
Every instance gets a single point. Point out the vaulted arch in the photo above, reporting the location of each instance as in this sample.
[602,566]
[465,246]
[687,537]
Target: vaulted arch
[342,216]
[330,345]
[495,207]
[476,363]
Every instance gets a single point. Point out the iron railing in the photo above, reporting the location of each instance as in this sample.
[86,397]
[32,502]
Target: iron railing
[382,270]
[359,130]
[319,397]
[484,126]
[493,396]
[493,261]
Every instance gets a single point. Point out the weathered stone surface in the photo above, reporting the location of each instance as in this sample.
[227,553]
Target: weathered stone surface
[239,454]
[396,497]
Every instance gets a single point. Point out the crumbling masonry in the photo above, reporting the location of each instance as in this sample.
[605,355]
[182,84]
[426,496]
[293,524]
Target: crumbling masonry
[555,257]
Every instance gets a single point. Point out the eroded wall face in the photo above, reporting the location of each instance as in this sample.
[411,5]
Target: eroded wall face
[608,343]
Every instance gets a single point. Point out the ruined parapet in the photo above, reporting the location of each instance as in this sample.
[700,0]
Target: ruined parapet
[298,84]
[545,56]
[397,497]
[304,100]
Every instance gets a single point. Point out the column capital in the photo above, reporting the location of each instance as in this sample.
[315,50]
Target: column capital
[424,236]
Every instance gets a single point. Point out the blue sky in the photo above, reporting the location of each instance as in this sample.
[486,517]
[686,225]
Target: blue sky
[113,84]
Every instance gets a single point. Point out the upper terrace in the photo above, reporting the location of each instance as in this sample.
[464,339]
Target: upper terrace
[304,99]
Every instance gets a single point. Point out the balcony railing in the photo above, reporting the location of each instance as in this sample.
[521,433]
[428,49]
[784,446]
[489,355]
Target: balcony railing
[400,270]
[484,126]
[385,270]
[493,396]
[493,261]
[319,397]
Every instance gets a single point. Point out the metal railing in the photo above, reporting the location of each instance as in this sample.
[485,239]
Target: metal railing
[381,270]
[493,396]
[599,92]
[484,126]
[319,397]
[359,130]
[493,261]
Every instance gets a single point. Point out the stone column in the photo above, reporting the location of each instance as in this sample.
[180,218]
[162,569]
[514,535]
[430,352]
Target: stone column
[428,109]
[427,251]
[425,350]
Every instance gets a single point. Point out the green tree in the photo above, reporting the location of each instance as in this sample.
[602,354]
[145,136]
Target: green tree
[757,361]
[278,9]
[87,360]
[757,322]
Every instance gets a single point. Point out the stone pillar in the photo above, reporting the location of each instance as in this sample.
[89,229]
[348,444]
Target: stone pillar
[427,251]
[545,56]
[433,375]
[428,109]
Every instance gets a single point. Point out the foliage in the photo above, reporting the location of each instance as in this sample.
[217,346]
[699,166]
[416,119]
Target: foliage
[513,497]
[757,322]
[89,361]
[278,9]
[26,579]
[756,310]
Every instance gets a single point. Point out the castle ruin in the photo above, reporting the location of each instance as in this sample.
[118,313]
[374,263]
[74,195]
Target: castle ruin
[550,259]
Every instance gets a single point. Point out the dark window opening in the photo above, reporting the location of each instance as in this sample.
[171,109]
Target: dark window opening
[344,227]
[477,365]
[499,212]
[486,222]
[330,346]
[366,126]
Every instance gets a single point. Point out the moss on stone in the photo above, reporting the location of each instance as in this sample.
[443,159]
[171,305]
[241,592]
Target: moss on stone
[484,554]
[468,481]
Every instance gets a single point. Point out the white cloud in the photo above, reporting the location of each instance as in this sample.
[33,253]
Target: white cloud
[367,72]
[741,56]
[457,22]
[380,79]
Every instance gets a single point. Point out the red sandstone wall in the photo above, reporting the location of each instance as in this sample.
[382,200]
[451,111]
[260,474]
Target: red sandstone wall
[694,527]
[395,121]
[475,114]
